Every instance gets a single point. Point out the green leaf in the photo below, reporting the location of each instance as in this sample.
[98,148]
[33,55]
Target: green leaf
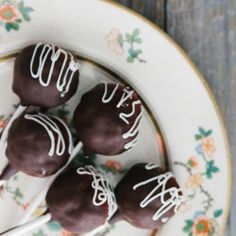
[18,193]
[21,5]
[208,133]
[81,159]
[188,226]
[190,234]
[202,131]
[218,213]
[208,174]
[210,163]
[8,27]
[19,20]
[135,33]
[39,233]
[215,169]
[54,226]
[128,37]
[15,26]
[27,10]
[15,177]
[62,113]
[211,168]
[26,17]
[139,51]
[198,137]
[134,52]
[130,59]
[121,40]
[137,40]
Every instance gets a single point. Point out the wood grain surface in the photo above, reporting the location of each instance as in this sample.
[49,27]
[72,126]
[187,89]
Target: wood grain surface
[206,30]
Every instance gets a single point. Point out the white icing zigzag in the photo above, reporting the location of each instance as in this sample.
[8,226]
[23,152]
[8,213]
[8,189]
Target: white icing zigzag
[133,131]
[174,201]
[66,73]
[54,133]
[102,189]
[151,166]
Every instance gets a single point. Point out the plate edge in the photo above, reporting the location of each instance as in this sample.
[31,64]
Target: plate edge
[205,85]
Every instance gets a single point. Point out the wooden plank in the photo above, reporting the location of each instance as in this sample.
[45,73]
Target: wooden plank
[207,32]
[151,9]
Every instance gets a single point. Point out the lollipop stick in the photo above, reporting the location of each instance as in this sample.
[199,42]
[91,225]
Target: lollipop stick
[23,229]
[35,203]
[16,114]
[4,133]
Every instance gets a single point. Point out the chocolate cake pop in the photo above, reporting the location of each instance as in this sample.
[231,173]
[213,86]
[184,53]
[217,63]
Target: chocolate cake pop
[38,145]
[45,76]
[147,196]
[81,200]
[107,119]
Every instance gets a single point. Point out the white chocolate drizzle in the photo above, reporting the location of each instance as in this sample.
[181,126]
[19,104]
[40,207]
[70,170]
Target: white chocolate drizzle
[150,166]
[170,198]
[66,73]
[124,116]
[102,189]
[127,94]
[107,99]
[133,131]
[58,145]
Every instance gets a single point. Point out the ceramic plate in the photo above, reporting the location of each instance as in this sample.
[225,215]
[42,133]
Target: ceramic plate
[114,44]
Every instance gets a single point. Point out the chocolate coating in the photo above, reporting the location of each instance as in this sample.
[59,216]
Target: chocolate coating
[30,91]
[70,201]
[28,147]
[129,200]
[98,124]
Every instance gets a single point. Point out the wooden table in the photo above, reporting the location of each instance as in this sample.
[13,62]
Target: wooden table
[206,30]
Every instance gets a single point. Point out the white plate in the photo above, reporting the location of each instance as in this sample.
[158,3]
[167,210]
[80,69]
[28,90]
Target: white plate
[165,78]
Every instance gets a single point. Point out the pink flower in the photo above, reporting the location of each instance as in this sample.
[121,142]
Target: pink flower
[208,146]
[8,13]
[2,124]
[202,227]
[184,208]
[194,181]
[113,41]
[114,165]
[193,162]
[25,206]
[67,233]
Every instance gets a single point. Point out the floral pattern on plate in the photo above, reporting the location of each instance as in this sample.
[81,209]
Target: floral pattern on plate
[13,13]
[126,44]
[201,167]
[11,189]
